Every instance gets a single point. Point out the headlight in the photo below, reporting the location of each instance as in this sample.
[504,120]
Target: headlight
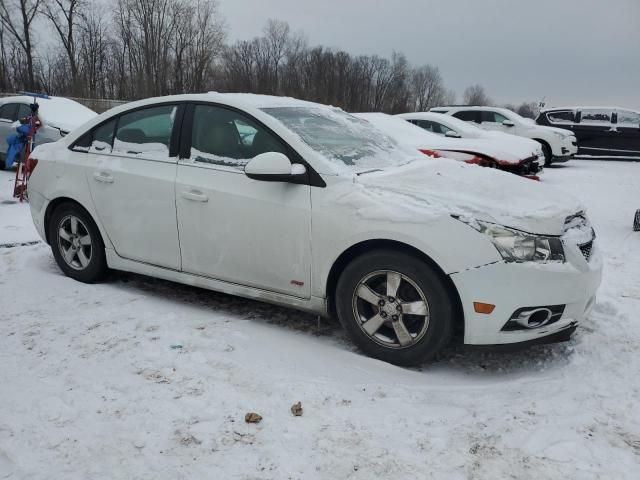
[516,246]
[562,136]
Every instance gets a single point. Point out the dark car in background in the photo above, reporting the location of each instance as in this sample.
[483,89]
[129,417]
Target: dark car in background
[600,131]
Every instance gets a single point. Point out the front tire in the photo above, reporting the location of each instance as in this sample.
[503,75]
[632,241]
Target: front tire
[395,307]
[548,154]
[636,222]
[77,244]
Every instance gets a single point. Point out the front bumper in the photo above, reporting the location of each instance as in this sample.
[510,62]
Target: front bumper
[514,286]
[568,149]
[38,206]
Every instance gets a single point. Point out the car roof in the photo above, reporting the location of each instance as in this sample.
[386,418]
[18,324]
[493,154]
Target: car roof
[470,107]
[431,115]
[575,108]
[232,99]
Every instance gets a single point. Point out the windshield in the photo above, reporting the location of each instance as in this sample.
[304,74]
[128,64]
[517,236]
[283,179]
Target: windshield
[340,137]
[466,129]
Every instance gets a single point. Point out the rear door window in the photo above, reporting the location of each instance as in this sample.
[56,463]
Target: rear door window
[595,116]
[487,116]
[145,132]
[467,115]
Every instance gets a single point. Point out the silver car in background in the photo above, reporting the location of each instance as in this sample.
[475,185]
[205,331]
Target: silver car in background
[58,117]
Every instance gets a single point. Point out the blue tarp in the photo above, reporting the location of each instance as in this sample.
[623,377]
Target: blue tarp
[16,143]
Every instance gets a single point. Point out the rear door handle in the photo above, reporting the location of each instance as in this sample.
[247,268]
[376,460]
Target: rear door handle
[103,177]
[195,196]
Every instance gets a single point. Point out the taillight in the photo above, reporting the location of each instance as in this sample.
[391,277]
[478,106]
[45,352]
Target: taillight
[430,153]
[31,165]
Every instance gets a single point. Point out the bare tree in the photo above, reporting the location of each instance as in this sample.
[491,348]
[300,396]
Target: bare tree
[65,15]
[527,110]
[475,95]
[16,17]
[427,88]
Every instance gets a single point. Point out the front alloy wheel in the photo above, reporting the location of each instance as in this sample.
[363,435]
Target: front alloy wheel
[395,306]
[391,309]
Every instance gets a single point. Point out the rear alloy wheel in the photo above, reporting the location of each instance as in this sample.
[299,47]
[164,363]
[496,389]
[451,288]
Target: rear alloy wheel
[395,307]
[76,244]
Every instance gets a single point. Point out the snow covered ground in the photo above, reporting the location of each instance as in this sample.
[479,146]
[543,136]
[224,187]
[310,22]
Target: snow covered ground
[138,378]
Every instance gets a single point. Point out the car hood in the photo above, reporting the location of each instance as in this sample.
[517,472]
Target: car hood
[428,188]
[562,131]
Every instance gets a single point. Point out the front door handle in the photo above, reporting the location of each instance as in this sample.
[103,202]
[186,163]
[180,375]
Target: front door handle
[103,177]
[195,196]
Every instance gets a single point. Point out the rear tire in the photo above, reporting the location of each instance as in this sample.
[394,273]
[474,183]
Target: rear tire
[395,307]
[76,244]
[636,222]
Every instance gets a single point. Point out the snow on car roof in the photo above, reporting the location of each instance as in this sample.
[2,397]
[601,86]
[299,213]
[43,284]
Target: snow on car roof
[267,101]
[58,112]
[550,109]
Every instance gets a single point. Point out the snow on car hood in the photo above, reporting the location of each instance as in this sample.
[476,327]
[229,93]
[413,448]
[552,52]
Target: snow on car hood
[428,188]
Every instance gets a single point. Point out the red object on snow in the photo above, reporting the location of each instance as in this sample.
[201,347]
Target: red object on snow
[27,164]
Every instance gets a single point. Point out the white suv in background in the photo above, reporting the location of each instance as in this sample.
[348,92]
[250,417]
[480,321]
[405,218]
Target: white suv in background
[558,145]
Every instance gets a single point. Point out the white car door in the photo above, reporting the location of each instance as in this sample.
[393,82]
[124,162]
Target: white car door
[232,228]
[131,175]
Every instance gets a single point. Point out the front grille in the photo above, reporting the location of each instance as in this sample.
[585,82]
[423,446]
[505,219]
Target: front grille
[578,231]
[585,248]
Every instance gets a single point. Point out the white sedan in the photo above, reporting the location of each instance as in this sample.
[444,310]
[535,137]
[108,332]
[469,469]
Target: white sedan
[523,159]
[452,127]
[304,205]
[558,145]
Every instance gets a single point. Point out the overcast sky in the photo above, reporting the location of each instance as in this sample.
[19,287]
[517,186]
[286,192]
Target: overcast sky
[566,51]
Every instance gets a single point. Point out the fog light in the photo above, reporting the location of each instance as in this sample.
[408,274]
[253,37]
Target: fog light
[533,317]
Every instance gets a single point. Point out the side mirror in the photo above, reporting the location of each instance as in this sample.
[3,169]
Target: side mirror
[452,134]
[508,123]
[274,167]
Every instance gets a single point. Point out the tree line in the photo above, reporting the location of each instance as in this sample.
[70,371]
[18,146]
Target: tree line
[141,48]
